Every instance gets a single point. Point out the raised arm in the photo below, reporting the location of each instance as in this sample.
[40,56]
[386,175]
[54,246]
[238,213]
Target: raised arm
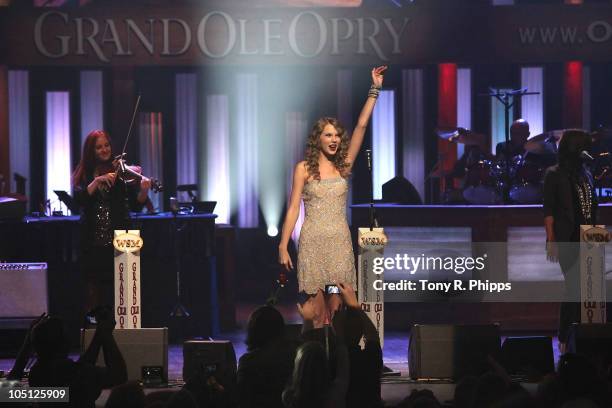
[25,352]
[366,113]
[300,174]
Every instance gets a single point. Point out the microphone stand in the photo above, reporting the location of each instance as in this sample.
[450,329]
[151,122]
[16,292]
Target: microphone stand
[386,371]
[178,311]
[373,219]
[430,178]
[504,98]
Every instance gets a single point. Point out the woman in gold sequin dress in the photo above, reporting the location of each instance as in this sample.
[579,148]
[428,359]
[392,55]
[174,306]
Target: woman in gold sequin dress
[325,251]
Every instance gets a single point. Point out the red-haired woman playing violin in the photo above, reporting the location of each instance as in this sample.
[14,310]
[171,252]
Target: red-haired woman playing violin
[102,198]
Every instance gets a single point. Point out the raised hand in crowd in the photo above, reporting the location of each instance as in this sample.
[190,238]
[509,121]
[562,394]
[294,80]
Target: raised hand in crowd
[25,352]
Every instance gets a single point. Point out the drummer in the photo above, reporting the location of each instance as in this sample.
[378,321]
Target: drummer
[540,152]
[519,133]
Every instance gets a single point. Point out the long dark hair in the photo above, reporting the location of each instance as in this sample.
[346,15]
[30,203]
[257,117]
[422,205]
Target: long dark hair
[265,325]
[573,142]
[88,163]
[311,379]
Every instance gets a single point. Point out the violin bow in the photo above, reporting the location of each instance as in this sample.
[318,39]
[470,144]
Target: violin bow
[127,138]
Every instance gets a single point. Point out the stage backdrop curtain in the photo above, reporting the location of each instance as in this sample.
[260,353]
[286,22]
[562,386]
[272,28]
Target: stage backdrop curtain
[586,97]
[215,172]
[19,125]
[572,94]
[59,165]
[383,141]
[344,79]
[296,127]
[532,106]
[92,102]
[5,158]
[414,129]
[464,102]
[186,114]
[151,150]
[244,143]
[447,117]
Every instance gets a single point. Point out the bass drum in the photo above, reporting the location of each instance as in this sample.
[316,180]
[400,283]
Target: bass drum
[527,181]
[481,184]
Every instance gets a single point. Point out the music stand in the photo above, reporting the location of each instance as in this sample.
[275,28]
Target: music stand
[68,201]
[190,189]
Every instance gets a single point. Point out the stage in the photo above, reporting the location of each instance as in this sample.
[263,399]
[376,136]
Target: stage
[232,265]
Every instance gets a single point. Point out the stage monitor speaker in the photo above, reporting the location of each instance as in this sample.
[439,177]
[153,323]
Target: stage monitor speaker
[529,358]
[139,347]
[401,191]
[593,341]
[23,290]
[210,357]
[451,351]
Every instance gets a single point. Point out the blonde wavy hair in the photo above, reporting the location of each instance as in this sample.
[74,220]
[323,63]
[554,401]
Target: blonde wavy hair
[313,148]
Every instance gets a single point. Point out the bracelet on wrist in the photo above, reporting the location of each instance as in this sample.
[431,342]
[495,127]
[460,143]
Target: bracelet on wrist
[373,92]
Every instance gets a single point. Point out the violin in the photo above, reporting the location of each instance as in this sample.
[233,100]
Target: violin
[131,174]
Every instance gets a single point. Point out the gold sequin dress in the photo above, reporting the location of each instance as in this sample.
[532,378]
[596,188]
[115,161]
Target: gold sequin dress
[325,251]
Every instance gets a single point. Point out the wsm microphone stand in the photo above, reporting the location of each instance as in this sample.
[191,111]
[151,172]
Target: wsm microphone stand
[386,371]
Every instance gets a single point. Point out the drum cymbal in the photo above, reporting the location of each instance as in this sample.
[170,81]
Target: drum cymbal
[544,143]
[447,133]
[601,133]
[460,135]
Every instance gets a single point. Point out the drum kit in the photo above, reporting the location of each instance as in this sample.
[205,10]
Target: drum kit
[522,175]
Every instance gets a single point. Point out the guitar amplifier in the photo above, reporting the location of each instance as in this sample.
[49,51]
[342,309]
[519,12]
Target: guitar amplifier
[23,290]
